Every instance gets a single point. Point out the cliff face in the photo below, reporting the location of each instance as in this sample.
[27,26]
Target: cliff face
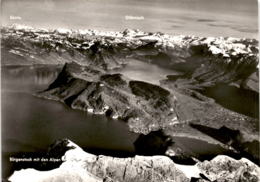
[78,165]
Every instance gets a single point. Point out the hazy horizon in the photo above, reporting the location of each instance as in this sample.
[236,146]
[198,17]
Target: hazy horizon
[236,18]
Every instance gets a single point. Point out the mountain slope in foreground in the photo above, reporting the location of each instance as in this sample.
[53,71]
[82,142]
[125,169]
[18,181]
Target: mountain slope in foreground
[81,166]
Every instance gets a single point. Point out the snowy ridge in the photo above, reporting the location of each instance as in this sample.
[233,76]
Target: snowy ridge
[219,46]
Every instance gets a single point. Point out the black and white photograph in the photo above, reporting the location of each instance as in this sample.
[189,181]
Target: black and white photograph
[130,91]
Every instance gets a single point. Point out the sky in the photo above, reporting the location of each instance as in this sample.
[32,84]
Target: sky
[236,18]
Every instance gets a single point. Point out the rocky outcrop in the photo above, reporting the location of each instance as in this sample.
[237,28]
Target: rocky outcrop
[78,165]
[81,166]
[223,168]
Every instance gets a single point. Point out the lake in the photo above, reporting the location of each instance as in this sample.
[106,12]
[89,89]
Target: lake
[31,124]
